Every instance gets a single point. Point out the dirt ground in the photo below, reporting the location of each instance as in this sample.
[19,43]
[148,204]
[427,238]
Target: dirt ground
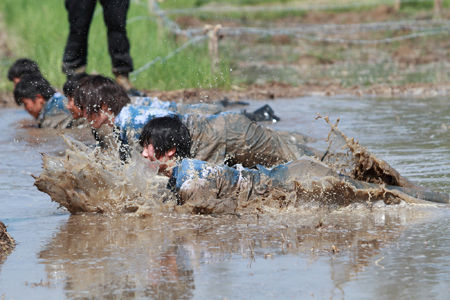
[276,90]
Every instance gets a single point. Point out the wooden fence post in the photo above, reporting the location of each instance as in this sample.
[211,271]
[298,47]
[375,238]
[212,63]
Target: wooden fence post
[437,9]
[213,45]
[397,5]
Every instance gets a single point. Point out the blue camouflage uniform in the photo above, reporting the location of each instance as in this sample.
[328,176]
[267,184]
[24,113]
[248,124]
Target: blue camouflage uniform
[180,108]
[55,113]
[132,118]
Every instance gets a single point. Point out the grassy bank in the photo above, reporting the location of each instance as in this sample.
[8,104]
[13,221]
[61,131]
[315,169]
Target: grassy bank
[41,30]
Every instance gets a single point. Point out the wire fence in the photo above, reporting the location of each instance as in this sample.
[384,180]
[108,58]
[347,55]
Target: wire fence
[351,34]
[169,56]
[284,8]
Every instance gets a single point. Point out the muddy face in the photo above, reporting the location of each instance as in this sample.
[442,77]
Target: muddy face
[33,106]
[76,112]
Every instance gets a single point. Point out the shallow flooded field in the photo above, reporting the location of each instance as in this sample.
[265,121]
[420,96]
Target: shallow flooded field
[386,252]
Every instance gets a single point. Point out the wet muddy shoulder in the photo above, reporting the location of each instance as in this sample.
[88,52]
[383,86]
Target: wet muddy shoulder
[7,243]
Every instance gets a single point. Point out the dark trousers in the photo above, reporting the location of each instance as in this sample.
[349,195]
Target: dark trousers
[80,14]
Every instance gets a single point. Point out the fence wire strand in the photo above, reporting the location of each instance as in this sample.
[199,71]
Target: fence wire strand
[169,56]
[303,30]
[282,8]
[313,33]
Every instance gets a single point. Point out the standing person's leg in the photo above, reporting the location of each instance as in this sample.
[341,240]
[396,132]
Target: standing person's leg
[115,16]
[80,16]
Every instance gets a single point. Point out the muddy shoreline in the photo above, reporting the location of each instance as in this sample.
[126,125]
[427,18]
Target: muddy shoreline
[276,90]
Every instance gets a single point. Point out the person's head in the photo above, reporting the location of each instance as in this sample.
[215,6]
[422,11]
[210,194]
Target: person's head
[101,99]
[33,91]
[72,83]
[164,139]
[22,67]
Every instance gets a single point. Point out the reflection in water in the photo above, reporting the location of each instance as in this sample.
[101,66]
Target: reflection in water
[158,257]
[118,258]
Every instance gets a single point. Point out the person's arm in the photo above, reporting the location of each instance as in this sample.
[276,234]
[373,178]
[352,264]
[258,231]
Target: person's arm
[208,188]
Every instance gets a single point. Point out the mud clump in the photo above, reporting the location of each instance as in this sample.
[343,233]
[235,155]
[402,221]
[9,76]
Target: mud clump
[361,164]
[7,243]
[327,192]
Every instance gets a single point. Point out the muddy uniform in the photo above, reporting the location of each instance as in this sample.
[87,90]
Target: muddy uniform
[226,137]
[232,138]
[203,187]
[211,188]
[55,113]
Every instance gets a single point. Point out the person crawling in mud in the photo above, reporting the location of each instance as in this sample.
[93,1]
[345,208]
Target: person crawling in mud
[226,136]
[21,67]
[209,188]
[264,113]
[43,102]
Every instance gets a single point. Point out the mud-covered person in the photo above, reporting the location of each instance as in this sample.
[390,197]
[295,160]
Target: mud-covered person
[227,136]
[202,187]
[43,102]
[21,67]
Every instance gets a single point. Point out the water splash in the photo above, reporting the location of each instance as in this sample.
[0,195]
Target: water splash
[94,180]
[358,161]
[89,179]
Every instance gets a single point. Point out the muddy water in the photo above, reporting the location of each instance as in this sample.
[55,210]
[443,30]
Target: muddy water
[357,252]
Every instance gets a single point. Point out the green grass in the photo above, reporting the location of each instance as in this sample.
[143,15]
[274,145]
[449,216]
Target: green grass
[42,28]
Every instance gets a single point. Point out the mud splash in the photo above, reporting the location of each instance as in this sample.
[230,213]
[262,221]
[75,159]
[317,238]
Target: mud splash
[358,162]
[92,180]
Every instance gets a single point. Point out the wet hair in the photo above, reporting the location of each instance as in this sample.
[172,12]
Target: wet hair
[95,91]
[165,133]
[32,85]
[22,67]
[72,83]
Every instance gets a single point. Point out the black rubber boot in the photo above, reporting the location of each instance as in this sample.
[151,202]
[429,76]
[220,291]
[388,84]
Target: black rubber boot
[264,113]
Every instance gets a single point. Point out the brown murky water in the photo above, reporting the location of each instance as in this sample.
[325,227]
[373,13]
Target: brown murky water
[386,252]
